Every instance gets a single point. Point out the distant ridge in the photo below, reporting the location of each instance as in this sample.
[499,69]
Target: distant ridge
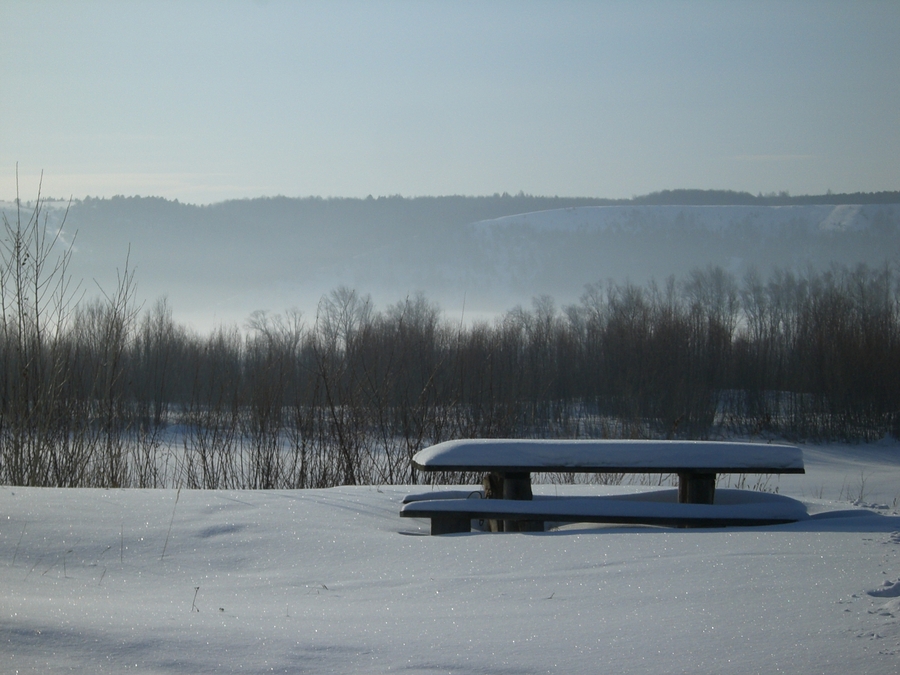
[678,197]
[220,262]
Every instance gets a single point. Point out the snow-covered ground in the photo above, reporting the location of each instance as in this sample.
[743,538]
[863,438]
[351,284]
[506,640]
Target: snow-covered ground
[333,581]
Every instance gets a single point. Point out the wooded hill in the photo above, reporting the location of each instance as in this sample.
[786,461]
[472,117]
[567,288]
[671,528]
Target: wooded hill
[476,256]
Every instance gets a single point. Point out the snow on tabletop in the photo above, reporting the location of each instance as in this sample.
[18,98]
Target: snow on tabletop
[560,454]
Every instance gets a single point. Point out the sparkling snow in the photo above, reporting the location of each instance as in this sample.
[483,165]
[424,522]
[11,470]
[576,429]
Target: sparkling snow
[334,581]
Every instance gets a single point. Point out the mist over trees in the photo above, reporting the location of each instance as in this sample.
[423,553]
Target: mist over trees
[104,393]
[476,256]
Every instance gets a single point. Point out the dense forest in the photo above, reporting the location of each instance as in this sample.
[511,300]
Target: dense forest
[104,393]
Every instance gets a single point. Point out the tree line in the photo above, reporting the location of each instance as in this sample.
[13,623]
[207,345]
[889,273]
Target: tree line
[103,393]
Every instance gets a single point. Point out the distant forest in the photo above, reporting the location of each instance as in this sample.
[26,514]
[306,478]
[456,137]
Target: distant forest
[103,393]
[522,202]
[231,258]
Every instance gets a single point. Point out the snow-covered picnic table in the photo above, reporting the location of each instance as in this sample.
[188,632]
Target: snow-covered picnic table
[510,463]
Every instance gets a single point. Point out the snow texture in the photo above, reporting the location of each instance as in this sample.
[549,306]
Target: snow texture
[809,218]
[611,455]
[334,581]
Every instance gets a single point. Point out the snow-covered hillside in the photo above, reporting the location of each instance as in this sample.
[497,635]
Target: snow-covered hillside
[809,218]
[557,252]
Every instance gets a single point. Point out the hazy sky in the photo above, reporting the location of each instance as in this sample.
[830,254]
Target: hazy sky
[204,101]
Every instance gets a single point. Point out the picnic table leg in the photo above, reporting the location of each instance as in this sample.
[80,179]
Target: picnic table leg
[696,488]
[493,489]
[518,486]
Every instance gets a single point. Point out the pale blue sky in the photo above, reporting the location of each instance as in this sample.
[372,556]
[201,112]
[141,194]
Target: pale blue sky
[205,101]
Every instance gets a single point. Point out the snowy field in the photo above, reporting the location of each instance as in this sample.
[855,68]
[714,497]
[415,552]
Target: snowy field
[333,581]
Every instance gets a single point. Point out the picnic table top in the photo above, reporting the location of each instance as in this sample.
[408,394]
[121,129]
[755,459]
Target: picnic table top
[608,456]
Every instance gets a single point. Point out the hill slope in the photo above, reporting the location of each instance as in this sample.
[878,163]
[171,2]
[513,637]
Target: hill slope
[223,261]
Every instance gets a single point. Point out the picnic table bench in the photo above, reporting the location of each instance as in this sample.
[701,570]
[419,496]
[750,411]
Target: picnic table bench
[511,463]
